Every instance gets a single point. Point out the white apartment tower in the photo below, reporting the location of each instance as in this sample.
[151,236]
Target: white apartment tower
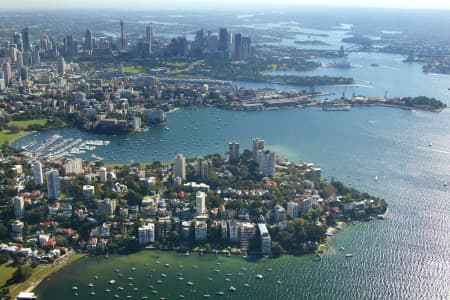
[200,199]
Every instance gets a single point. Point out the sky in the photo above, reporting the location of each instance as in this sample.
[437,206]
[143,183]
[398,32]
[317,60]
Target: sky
[214,4]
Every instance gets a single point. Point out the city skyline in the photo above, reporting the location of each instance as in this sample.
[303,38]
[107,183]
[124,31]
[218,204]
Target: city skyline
[203,4]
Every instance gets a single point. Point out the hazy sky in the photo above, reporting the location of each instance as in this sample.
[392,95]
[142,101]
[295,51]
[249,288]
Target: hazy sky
[190,4]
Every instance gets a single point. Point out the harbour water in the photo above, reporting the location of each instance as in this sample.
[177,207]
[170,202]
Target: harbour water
[403,257]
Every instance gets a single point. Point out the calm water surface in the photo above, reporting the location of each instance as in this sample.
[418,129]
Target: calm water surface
[403,257]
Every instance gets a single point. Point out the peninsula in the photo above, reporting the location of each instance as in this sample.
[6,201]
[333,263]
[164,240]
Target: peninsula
[250,201]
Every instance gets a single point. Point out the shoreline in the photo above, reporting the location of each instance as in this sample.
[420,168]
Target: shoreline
[43,272]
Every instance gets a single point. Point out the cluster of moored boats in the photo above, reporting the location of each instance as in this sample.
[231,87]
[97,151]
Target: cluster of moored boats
[56,147]
[119,289]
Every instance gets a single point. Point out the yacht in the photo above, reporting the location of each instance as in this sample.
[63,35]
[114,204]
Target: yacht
[278,281]
[232,289]
[90,285]
[348,255]
[259,276]
[220,293]
[189,283]
[112,281]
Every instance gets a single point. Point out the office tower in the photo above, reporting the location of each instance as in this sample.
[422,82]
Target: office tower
[233,149]
[180,166]
[35,57]
[26,39]
[122,37]
[53,184]
[13,54]
[19,206]
[61,66]
[258,144]
[88,45]
[246,47]
[149,38]
[44,43]
[181,46]
[27,58]
[18,40]
[238,45]
[199,39]
[223,39]
[69,46]
[200,205]
[19,59]
[7,73]
[37,173]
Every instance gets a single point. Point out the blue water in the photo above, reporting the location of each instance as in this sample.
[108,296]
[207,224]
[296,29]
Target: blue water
[403,257]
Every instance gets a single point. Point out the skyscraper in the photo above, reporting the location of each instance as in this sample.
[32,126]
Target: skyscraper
[88,45]
[246,50]
[223,39]
[180,166]
[238,45]
[69,46]
[122,37]
[61,66]
[149,37]
[26,39]
[37,173]
[7,72]
[18,40]
[233,149]
[53,184]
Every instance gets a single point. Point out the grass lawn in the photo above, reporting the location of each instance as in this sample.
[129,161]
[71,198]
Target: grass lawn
[40,273]
[25,124]
[133,69]
[7,137]
[178,64]
[6,272]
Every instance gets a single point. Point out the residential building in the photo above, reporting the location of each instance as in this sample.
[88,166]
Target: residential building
[180,166]
[146,234]
[103,175]
[293,209]
[268,164]
[73,166]
[258,144]
[266,242]
[279,213]
[88,192]
[233,229]
[248,233]
[201,229]
[37,173]
[164,227]
[200,205]
[233,148]
[19,206]
[224,230]
[106,207]
[53,184]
